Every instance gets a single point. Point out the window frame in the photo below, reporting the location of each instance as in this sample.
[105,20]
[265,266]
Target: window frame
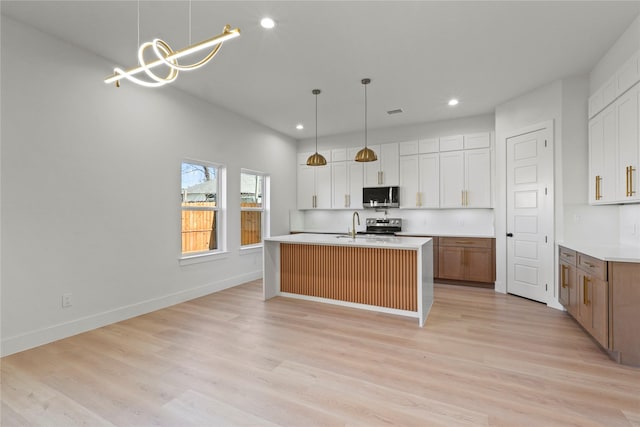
[220,209]
[264,218]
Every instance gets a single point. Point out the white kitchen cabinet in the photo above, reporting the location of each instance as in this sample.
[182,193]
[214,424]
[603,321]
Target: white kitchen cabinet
[465,179]
[477,140]
[628,74]
[346,181]
[602,97]
[429,145]
[314,187]
[603,157]
[451,143]
[384,171]
[614,151]
[628,123]
[419,181]
[408,148]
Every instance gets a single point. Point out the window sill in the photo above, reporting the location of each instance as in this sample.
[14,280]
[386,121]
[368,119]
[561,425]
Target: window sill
[199,258]
[249,249]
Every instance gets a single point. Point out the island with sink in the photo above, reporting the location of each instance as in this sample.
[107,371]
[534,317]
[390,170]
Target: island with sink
[390,274]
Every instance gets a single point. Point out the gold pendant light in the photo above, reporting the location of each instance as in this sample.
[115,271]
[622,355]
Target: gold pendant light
[316,159]
[366,154]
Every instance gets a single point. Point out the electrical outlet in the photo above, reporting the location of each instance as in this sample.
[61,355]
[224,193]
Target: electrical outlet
[66,300]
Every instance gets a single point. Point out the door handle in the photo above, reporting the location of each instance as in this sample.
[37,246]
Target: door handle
[564,268]
[509,234]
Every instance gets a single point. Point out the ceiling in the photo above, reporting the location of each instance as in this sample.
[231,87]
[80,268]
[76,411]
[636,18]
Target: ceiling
[418,54]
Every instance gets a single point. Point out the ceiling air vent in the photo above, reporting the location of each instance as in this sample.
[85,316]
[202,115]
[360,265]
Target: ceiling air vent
[395,111]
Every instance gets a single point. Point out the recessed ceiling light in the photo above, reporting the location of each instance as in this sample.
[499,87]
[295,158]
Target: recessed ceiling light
[299,126]
[453,102]
[267,23]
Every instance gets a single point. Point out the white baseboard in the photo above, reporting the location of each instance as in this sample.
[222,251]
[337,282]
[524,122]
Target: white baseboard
[52,333]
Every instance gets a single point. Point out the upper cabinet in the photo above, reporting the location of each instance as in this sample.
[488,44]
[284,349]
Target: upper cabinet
[614,137]
[346,179]
[432,173]
[614,151]
[465,179]
[419,181]
[314,183]
[602,157]
[386,170]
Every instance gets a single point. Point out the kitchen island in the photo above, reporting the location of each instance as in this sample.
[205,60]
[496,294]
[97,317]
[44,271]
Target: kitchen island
[389,274]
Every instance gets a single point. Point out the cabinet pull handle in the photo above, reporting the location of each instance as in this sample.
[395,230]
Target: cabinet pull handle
[462,195]
[598,191]
[380,180]
[589,264]
[631,192]
[466,197]
[564,283]
[346,202]
[585,285]
[313,201]
[626,178]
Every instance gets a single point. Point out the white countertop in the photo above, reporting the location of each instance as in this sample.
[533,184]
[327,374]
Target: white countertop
[606,252]
[390,242]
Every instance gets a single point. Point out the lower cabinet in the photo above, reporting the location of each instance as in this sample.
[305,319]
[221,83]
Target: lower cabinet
[568,293]
[604,297]
[467,259]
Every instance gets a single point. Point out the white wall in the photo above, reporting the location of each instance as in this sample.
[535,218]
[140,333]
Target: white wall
[468,222]
[564,103]
[91,187]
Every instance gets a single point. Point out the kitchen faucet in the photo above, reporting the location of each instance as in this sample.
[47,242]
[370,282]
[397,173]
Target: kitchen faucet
[353,223]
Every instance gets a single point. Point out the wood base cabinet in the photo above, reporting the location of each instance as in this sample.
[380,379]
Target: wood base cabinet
[604,297]
[625,311]
[467,259]
[568,293]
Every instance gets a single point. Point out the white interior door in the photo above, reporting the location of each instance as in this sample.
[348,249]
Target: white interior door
[530,223]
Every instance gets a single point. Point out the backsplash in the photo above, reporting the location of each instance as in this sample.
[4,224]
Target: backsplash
[466,222]
[630,225]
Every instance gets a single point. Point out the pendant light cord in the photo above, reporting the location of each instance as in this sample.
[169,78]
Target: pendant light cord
[316,122]
[365,115]
[189,22]
[138,25]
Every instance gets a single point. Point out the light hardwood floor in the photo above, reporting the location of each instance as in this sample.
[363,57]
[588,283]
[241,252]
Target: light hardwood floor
[231,359]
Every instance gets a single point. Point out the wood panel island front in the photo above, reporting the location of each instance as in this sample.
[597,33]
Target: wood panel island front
[389,274]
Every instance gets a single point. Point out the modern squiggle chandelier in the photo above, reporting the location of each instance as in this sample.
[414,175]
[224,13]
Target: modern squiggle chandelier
[168,57]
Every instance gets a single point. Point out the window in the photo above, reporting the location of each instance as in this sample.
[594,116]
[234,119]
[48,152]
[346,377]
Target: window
[253,207]
[202,205]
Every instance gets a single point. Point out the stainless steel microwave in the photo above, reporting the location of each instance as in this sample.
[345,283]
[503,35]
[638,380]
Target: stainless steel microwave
[381,197]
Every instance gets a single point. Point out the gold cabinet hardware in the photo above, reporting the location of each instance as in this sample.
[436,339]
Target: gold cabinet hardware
[626,178]
[631,192]
[346,201]
[466,197]
[564,283]
[585,288]
[598,189]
